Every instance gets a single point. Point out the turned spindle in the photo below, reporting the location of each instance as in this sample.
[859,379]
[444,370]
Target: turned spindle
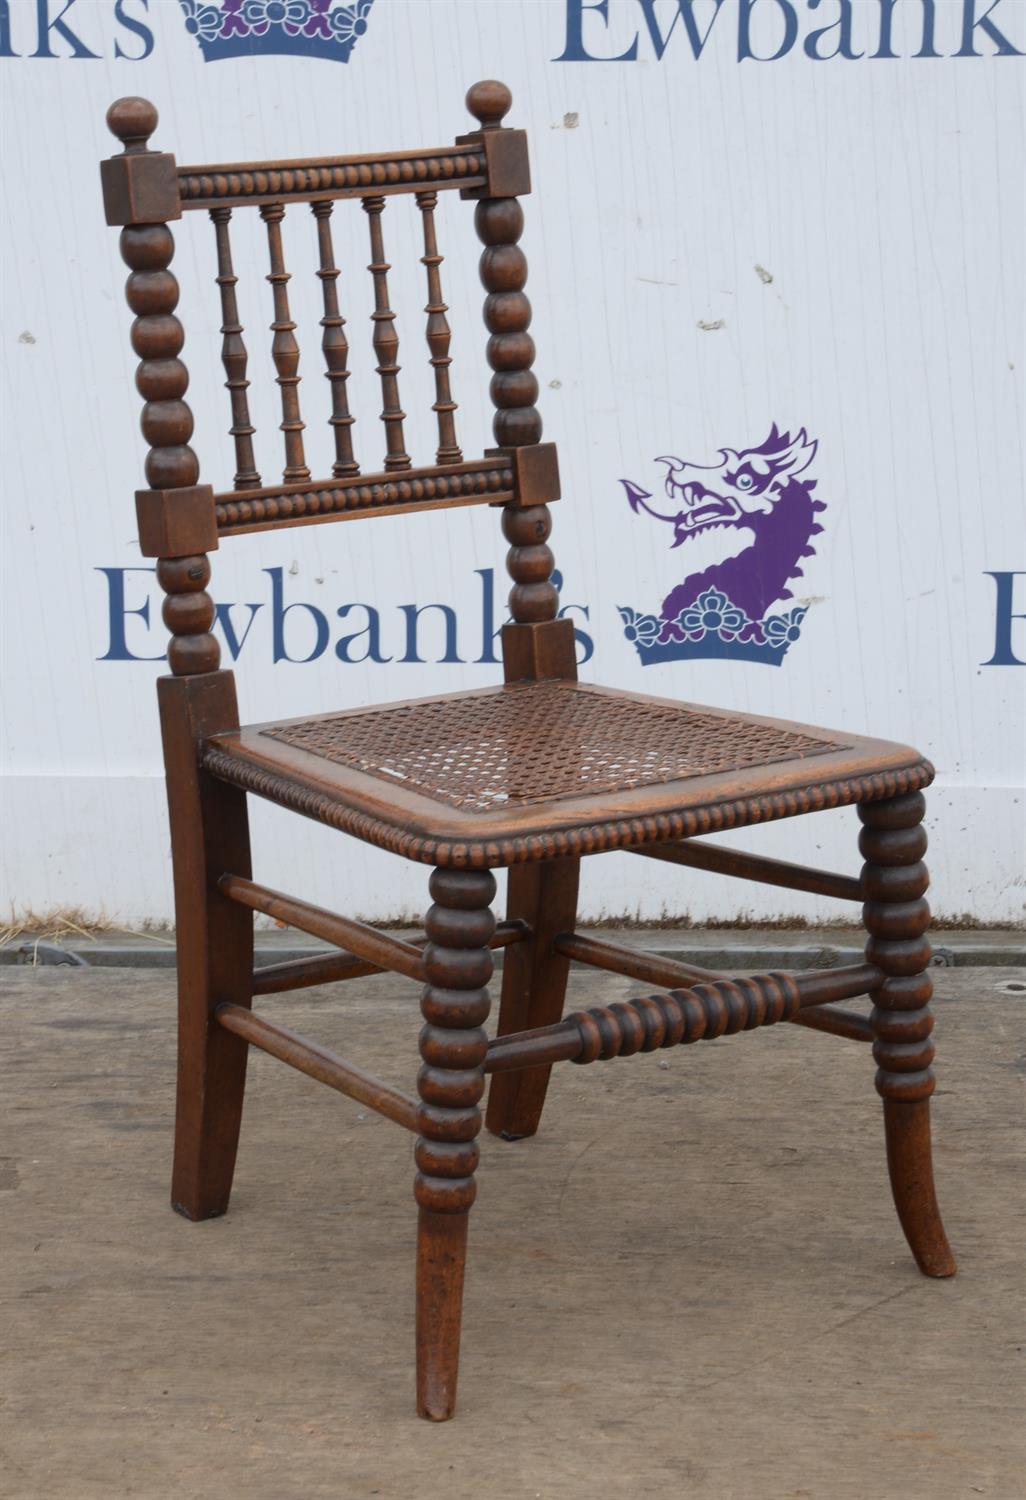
[284,348]
[162,379]
[335,346]
[438,335]
[453,1046]
[386,341]
[896,916]
[234,356]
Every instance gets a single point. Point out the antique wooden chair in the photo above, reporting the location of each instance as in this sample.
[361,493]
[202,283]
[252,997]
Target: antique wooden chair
[531,775]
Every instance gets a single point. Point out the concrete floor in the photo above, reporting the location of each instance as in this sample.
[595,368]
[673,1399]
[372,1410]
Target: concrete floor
[690,1284]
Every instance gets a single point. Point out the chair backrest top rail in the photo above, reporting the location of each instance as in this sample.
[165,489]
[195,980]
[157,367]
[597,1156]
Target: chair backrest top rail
[327,177]
[485,481]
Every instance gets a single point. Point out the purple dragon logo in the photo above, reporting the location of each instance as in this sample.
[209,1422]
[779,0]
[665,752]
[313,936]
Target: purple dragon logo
[745,524]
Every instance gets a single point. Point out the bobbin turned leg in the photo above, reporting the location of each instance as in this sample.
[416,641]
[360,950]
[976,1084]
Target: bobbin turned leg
[894,879]
[455,1003]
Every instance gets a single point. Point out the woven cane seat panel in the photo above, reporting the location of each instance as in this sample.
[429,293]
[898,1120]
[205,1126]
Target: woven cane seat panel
[526,745]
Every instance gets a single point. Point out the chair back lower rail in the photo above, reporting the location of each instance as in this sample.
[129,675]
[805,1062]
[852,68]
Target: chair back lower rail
[488,481]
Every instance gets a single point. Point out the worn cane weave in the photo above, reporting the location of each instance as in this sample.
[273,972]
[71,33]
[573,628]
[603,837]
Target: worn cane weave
[553,740]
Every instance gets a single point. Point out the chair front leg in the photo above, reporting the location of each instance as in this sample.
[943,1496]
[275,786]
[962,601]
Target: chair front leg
[453,1045]
[896,916]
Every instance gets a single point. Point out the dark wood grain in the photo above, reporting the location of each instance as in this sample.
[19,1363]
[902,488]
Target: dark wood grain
[383,811]
[438,335]
[332,968]
[214,944]
[453,1046]
[846,1023]
[246,184]
[334,345]
[366,942]
[534,775]
[234,356]
[534,979]
[285,348]
[162,380]
[744,866]
[386,341]
[824,986]
[651,968]
[702,1012]
[485,481]
[320,1063]
[896,916]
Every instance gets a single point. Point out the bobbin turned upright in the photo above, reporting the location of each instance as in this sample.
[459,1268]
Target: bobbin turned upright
[536,645]
[177,525]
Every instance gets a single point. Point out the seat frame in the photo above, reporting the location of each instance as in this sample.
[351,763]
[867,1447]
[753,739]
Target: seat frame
[212,764]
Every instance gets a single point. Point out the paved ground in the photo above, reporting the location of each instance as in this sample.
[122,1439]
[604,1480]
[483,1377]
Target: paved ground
[691,1284]
[736,948]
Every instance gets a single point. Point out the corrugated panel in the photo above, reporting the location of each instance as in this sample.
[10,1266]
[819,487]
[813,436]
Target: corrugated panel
[716,246]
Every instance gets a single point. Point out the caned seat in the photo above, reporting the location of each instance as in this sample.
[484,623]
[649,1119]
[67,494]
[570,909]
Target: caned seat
[542,770]
[537,774]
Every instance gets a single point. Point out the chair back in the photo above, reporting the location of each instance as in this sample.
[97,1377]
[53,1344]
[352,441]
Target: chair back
[180,519]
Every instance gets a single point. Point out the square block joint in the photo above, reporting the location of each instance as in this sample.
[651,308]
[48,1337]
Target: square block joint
[140,188]
[539,653]
[507,164]
[176,523]
[535,472]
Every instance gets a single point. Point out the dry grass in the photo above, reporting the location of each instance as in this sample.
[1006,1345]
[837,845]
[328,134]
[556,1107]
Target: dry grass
[62,923]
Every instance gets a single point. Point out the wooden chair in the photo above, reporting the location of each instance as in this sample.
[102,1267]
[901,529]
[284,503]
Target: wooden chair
[531,776]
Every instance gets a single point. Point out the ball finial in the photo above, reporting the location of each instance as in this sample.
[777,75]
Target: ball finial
[488,101]
[133,121]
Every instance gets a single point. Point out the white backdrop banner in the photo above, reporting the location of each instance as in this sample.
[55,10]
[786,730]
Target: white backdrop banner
[767,238]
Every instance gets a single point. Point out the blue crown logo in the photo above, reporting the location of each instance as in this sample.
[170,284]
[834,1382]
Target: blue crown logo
[250,28]
[712,627]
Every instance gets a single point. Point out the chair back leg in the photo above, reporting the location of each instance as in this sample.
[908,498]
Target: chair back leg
[534,980]
[209,836]
[896,916]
